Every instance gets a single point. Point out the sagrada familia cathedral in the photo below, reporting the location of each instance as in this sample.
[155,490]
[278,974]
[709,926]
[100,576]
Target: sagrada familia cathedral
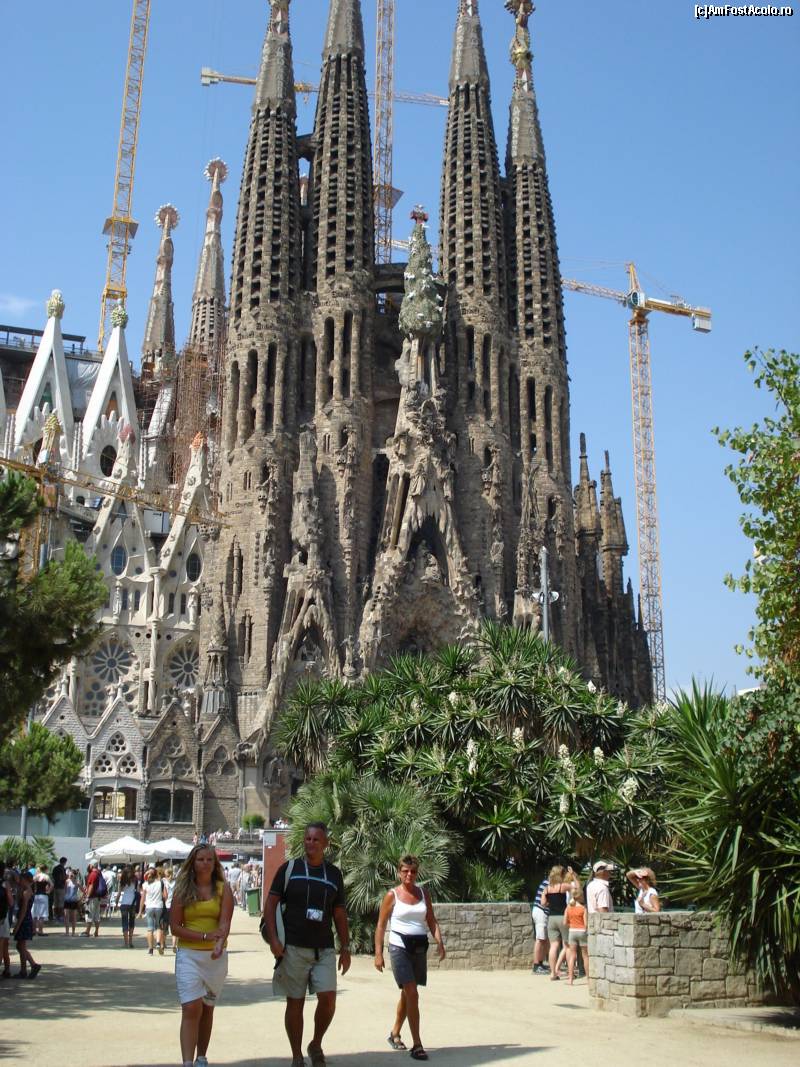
[391,448]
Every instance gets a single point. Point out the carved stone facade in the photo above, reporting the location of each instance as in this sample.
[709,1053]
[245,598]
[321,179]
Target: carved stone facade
[388,473]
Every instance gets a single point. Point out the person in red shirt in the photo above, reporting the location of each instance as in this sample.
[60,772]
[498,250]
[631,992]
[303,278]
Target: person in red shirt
[91,898]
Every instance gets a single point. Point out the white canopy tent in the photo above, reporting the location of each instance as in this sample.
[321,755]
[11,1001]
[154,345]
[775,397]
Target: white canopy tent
[123,850]
[170,848]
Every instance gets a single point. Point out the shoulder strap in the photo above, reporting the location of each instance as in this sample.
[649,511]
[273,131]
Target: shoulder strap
[287,876]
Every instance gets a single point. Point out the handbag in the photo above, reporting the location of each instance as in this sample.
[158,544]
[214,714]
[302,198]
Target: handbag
[415,943]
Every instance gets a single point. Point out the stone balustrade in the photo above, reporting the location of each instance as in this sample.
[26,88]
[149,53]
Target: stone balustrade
[649,964]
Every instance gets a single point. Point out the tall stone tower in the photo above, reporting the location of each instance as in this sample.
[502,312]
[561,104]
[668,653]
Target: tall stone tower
[389,475]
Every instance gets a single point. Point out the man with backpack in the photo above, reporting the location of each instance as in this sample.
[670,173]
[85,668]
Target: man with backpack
[310,894]
[94,892]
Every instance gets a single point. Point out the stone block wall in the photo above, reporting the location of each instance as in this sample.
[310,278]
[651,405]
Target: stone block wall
[648,964]
[484,937]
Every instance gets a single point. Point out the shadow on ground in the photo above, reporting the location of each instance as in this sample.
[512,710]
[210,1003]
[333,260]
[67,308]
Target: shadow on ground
[473,1056]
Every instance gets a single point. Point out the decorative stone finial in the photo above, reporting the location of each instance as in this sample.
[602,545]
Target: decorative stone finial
[520,50]
[198,441]
[421,310]
[55,305]
[216,171]
[119,316]
[167,218]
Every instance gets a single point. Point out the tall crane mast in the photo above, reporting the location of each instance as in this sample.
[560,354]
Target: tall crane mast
[644,452]
[382,149]
[120,227]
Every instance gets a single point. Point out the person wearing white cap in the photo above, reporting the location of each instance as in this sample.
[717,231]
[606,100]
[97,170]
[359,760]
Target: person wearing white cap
[598,892]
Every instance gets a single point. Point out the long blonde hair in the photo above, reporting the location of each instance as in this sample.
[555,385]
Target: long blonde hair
[185,891]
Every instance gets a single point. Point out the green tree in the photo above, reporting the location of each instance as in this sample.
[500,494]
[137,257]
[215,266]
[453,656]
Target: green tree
[44,621]
[522,759]
[767,479]
[40,769]
[735,830]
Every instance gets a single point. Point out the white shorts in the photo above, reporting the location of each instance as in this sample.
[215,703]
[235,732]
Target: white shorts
[41,907]
[198,977]
[539,916]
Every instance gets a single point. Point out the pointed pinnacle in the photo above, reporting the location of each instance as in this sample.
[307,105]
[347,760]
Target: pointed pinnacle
[345,29]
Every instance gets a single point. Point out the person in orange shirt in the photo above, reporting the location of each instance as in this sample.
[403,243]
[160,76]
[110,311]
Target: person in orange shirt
[578,934]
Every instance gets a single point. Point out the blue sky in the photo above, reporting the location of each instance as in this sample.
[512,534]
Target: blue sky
[670,141]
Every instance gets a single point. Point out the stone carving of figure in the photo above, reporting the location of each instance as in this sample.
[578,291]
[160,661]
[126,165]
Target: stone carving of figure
[194,601]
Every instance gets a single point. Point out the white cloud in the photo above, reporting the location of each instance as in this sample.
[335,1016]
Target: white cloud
[12,306]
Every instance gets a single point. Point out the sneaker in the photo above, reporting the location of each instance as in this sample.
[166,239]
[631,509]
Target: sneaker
[149,952]
[541,968]
[201,1061]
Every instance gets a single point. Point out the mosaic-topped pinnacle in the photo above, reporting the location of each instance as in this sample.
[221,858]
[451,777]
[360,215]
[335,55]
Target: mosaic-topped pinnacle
[216,171]
[55,305]
[421,311]
[167,218]
[119,316]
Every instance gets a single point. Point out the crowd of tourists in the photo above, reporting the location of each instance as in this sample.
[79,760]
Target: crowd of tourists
[304,905]
[560,909]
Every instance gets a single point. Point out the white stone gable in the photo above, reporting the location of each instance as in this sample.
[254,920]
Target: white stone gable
[46,389]
[112,397]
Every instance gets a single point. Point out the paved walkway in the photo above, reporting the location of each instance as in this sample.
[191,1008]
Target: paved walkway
[96,1004]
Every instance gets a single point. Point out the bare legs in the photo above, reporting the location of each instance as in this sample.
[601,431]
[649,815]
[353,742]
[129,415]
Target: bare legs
[572,957]
[408,1009]
[5,955]
[323,1016]
[557,953]
[540,949]
[70,918]
[25,957]
[197,1020]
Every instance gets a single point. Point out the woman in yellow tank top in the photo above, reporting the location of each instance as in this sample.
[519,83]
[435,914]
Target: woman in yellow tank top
[200,918]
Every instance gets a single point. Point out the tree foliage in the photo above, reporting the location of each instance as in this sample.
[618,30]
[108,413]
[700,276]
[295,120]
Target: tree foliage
[40,769]
[767,479]
[15,852]
[45,621]
[521,758]
[735,834]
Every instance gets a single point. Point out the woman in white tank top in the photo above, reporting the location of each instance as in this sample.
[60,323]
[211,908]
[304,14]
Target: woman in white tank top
[408,912]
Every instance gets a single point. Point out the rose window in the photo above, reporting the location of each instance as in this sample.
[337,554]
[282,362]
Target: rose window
[173,747]
[103,765]
[182,768]
[127,765]
[116,743]
[112,662]
[162,768]
[184,667]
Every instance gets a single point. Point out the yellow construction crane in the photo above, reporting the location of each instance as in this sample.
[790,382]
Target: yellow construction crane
[644,455]
[120,227]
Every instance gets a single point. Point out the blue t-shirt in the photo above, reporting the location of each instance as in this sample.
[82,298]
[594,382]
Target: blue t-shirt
[537,900]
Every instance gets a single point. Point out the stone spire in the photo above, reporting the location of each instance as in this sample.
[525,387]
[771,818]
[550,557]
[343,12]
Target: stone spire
[208,300]
[158,346]
[468,61]
[266,254]
[341,176]
[586,511]
[472,240]
[614,542]
[535,275]
[345,31]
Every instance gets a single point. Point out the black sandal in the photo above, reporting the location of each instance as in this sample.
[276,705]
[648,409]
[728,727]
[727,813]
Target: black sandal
[396,1042]
[418,1053]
